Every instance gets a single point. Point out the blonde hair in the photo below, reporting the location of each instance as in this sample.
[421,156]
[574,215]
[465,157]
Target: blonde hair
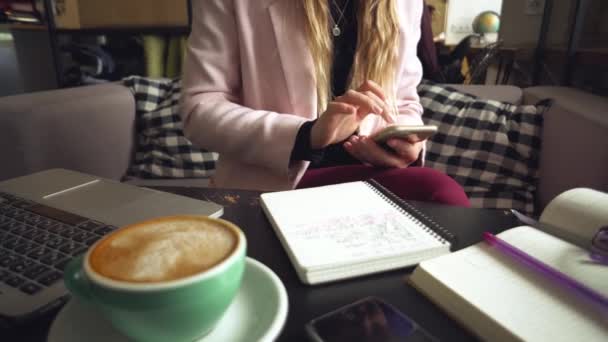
[377,43]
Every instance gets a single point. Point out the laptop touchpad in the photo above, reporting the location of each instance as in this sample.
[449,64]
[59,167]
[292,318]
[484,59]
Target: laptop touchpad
[47,183]
[98,199]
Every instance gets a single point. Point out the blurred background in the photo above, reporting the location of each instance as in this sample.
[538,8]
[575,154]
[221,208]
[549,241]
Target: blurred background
[48,44]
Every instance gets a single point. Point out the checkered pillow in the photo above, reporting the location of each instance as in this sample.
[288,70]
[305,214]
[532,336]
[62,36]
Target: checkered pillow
[491,148]
[162,151]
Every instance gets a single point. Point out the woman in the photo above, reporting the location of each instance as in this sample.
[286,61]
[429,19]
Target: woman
[279,87]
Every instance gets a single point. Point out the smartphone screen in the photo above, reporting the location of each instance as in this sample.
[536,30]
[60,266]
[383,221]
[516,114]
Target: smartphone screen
[367,320]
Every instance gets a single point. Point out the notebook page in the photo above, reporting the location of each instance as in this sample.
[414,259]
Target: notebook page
[580,211]
[565,257]
[520,299]
[343,224]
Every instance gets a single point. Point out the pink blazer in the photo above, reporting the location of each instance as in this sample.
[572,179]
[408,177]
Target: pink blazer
[248,86]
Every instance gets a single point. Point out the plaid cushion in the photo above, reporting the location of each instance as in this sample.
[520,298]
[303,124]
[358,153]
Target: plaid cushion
[491,148]
[161,150]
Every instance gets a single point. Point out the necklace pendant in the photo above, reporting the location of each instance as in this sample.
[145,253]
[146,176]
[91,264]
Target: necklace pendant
[336,31]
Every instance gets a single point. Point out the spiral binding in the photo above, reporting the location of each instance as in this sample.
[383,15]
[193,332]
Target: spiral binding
[430,226]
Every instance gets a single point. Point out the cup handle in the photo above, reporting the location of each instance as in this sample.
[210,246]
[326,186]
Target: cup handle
[76,281]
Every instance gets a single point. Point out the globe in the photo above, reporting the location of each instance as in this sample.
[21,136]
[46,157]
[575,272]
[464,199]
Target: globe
[486,22]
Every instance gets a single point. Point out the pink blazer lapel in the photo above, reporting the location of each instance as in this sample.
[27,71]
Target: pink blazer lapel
[296,60]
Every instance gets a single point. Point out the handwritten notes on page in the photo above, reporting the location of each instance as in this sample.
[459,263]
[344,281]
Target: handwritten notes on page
[344,224]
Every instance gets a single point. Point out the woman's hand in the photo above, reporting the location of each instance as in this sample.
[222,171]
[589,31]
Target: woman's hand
[343,116]
[368,151]
[374,91]
[339,121]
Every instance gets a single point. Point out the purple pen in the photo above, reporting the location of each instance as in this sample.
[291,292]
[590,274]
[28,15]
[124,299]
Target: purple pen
[559,277]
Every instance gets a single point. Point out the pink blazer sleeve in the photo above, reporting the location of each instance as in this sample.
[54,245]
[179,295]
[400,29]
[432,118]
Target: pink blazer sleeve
[213,115]
[410,75]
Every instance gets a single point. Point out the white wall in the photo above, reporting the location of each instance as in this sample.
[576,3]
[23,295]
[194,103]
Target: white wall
[460,16]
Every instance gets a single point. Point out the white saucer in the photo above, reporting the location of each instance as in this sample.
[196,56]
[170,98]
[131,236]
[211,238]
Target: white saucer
[258,313]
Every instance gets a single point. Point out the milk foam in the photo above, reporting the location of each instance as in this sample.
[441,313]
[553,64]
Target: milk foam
[164,250]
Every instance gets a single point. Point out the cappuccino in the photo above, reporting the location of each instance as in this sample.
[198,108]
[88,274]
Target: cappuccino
[164,249]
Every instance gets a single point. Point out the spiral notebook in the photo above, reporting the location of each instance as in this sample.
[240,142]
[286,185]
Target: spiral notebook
[346,230]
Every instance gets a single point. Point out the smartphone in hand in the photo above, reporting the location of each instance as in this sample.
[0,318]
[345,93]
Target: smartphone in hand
[369,319]
[412,133]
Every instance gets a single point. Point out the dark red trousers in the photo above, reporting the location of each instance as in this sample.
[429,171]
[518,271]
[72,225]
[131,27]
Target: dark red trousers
[413,183]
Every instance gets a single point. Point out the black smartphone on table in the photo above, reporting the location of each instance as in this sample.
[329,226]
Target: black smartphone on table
[369,319]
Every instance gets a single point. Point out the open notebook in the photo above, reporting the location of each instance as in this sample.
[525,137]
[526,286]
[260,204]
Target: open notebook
[351,229]
[501,299]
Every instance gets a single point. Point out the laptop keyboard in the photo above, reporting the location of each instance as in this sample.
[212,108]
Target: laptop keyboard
[37,241]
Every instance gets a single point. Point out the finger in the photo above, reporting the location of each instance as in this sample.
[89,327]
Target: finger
[374,87]
[340,107]
[412,138]
[365,103]
[379,156]
[386,157]
[352,149]
[400,144]
[407,151]
[386,111]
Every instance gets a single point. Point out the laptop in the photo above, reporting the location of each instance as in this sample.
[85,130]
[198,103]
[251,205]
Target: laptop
[48,218]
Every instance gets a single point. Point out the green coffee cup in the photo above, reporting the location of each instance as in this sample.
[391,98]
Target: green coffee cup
[183,309]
